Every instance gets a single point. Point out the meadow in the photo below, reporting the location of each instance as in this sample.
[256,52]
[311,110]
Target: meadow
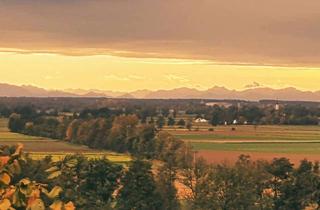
[39,147]
[260,142]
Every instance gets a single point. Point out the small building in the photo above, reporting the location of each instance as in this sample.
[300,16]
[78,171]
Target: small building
[221,104]
[201,120]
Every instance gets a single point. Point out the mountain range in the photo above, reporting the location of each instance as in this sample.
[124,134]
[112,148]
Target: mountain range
[251,94]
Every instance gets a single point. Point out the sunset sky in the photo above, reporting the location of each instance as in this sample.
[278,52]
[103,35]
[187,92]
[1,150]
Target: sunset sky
[161,44]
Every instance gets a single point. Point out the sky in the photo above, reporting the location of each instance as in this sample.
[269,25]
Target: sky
[128,45]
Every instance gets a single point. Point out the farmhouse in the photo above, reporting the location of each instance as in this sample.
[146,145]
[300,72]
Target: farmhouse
[201,120]
[224,104]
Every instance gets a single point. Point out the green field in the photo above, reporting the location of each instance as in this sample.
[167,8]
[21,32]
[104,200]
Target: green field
[289,148]
[39,147]
[269,139]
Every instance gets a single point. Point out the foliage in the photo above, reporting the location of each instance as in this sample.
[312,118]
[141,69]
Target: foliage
[171,121]
[89,183]
[138,189]
[252,185]
[24,193]
[160,122]
[166,178]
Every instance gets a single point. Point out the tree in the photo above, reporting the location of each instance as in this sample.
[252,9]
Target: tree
[139,189]
[123,133]
[189,125]
[16,124]
[160,122]
[281,170]
[297,193]
[144,145]
[181,122]
[98,182]
[24,193]
[171,121]
[217,115]
[89,183]
[166,186]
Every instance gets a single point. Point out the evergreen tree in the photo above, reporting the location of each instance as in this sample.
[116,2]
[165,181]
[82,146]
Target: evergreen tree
[139,189]
[171,121]
[166,179]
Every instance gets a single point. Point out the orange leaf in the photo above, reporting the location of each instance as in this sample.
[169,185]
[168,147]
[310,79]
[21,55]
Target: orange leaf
[5,204]
[9,192]
[4,160]
[69,206]
[5,178]
[57,205]
[18,149]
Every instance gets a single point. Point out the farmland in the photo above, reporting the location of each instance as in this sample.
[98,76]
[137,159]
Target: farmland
[223,143]
[260,142]
[39,147]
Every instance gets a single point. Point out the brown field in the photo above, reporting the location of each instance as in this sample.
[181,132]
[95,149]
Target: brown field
[230,157]
[261,142]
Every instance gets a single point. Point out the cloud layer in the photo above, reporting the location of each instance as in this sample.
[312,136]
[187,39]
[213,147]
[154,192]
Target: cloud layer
[275,32]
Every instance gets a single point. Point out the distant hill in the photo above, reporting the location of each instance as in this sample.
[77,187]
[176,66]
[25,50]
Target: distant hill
[99,93]
[7,90]
[252,94]
[94,95]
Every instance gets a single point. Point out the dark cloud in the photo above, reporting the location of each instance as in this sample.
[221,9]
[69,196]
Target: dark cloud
[253,85]
[277,32]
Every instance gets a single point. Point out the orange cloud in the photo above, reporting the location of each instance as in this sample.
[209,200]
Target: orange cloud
[272,32]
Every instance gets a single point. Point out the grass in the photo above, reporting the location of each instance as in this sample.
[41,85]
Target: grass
[288,148]
[263,139]
[218,137]
[113,157]
[39,147]
[261,133]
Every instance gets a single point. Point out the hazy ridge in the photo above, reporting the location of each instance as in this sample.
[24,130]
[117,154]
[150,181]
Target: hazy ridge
[254,94]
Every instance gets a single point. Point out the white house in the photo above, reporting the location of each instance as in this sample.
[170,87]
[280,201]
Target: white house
[201,120]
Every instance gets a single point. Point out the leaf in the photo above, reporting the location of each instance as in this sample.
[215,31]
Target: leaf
[57,205]
[54,174]
[4,160]
[9,192]
[18,150]
[54,192]
[37,204]
[71,163]
[5,178]
[25,181]
[5,204]
[15,167]
[17,199]
[69,206]
[52,169]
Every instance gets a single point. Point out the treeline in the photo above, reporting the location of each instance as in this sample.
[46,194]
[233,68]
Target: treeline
[125,134]
[266,115]
[80,183]
[253,185]
[106,130]
[266,112]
